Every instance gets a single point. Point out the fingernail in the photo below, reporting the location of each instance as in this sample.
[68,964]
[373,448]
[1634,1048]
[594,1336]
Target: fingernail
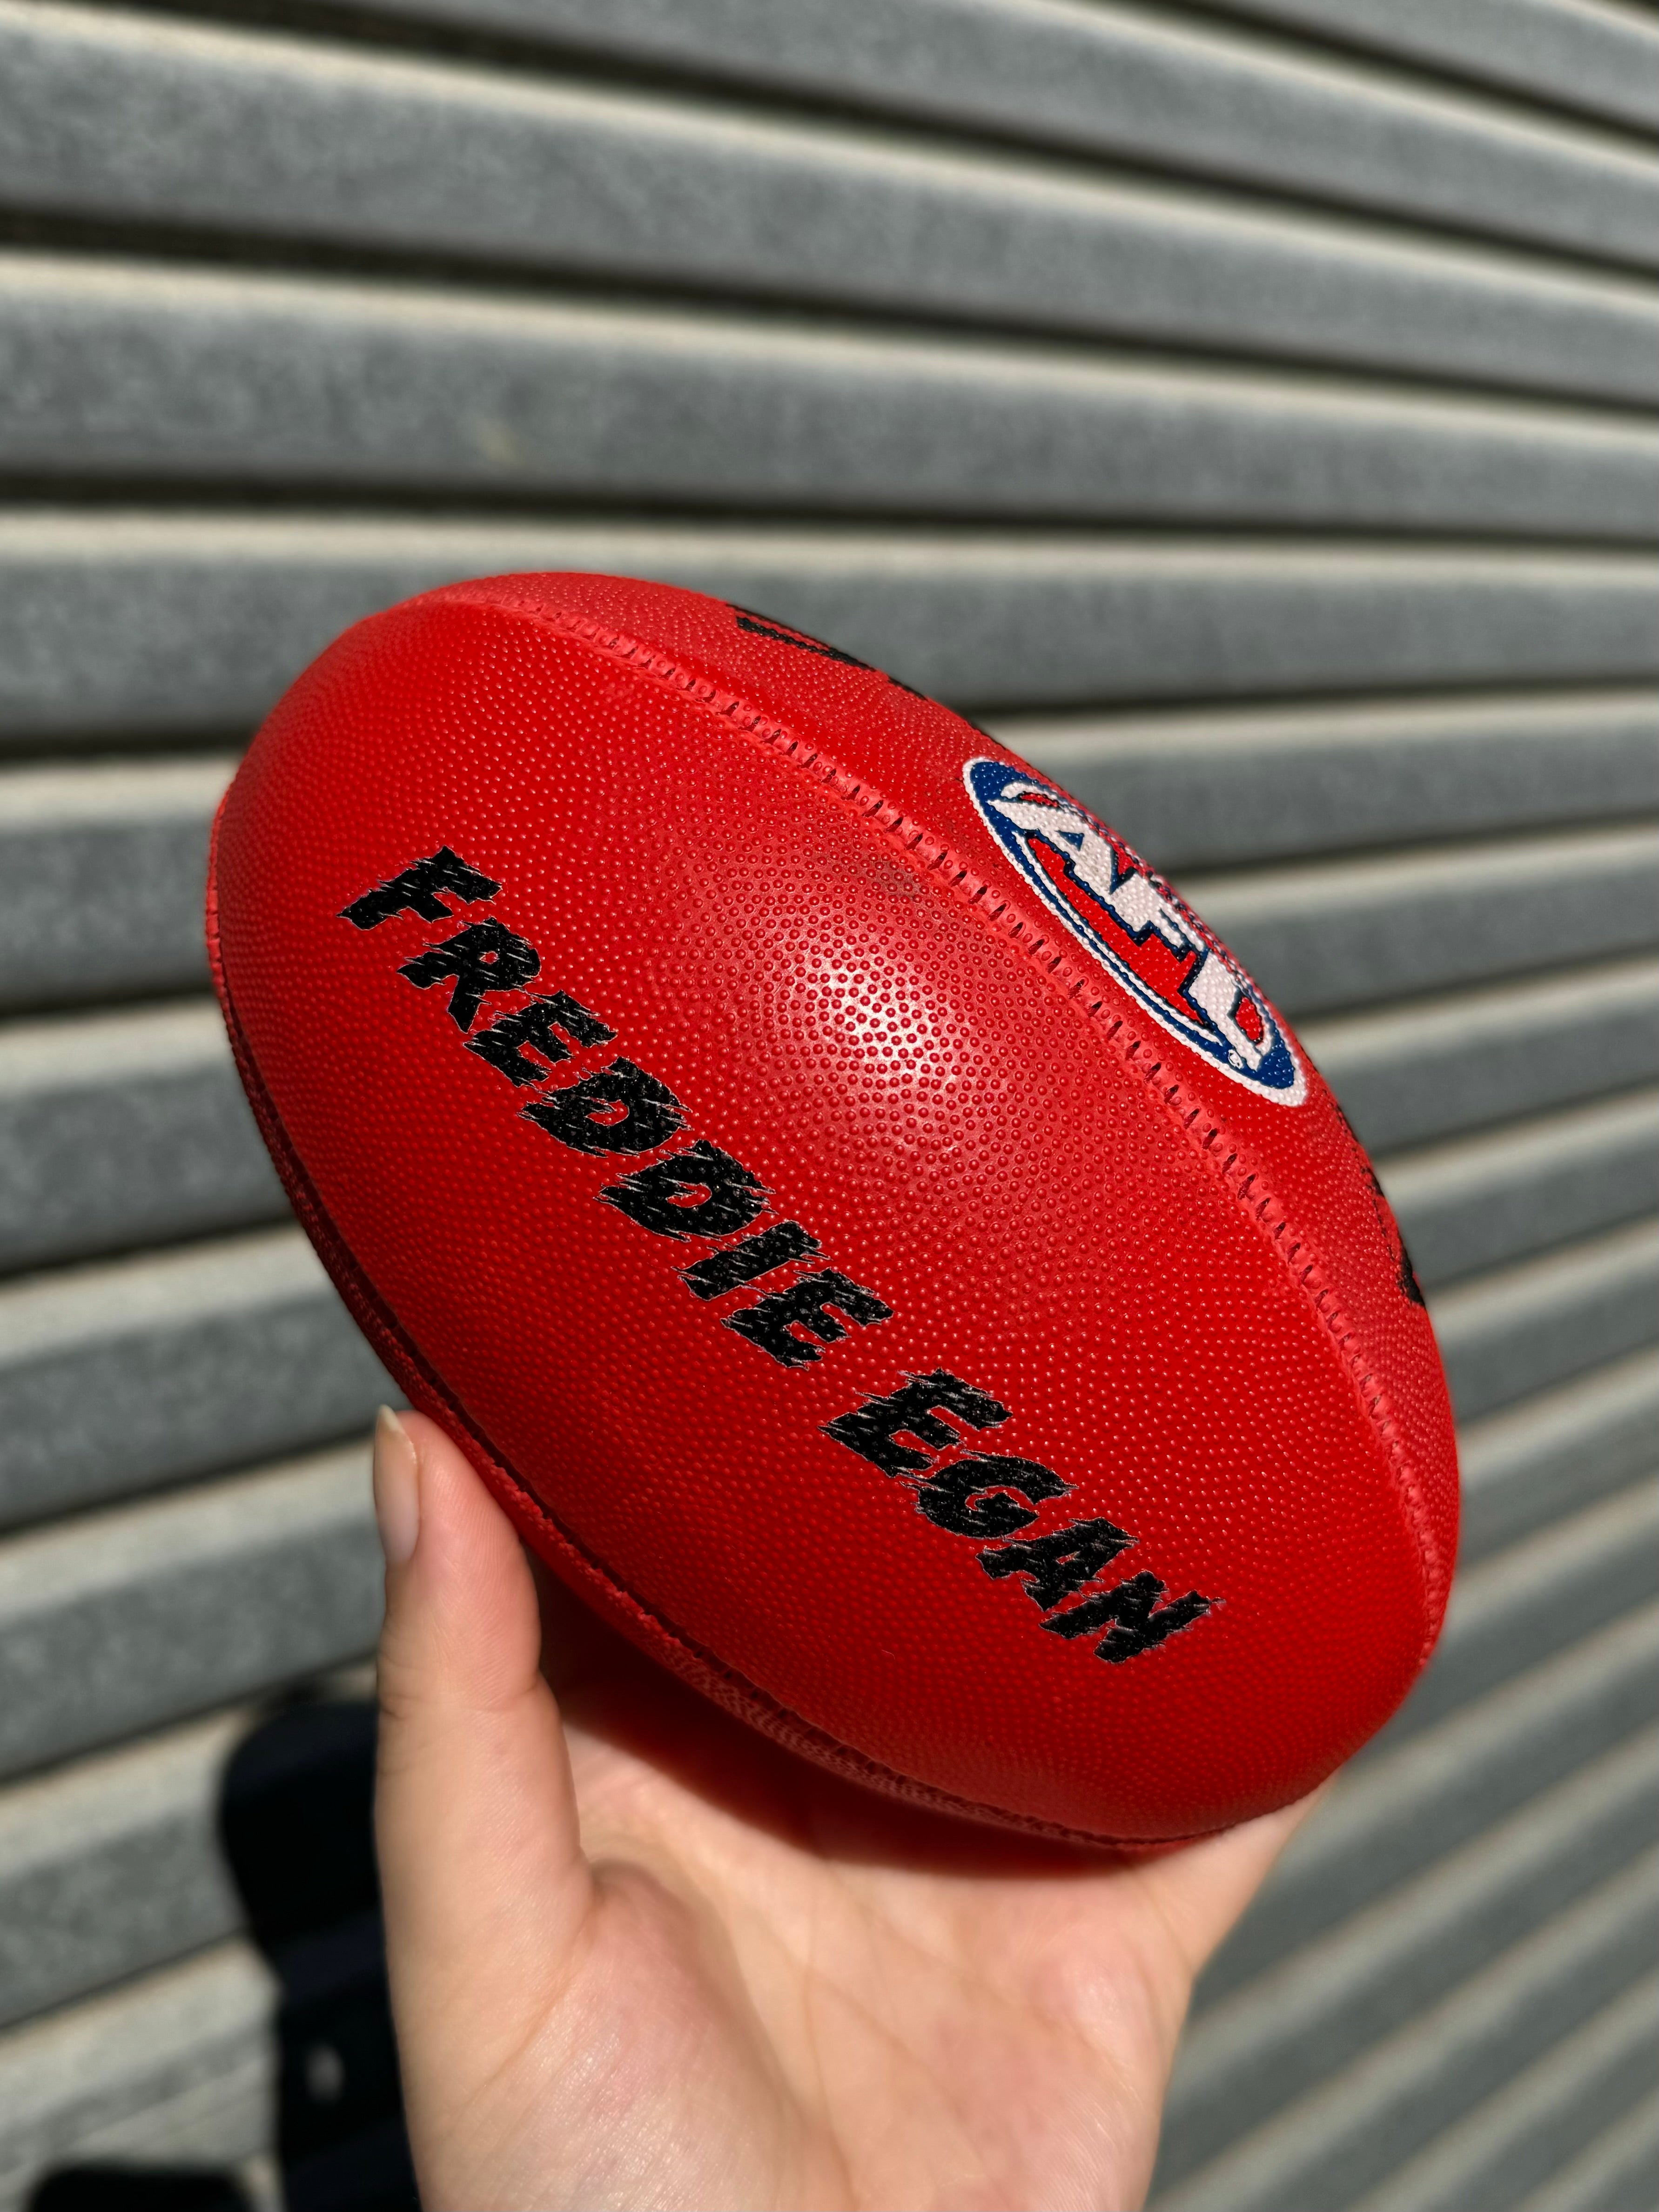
[397,1487]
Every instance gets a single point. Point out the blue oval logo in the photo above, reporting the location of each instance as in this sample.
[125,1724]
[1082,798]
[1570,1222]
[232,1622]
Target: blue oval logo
[1140,930]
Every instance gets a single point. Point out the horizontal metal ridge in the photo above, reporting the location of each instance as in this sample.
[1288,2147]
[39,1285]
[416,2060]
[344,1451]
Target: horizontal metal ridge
[1196,786]
[1564,1448]
[121,1378]
[122,1129]
[118,1377]
[113,1866]
[1522,1327]
[64,1053]
[51,1315]
[1344,2135]
[100,871]
[1304,2021]
[1481,1201]
[94,908]
[1620,2169]
[173,622]
[118,1863]
[1407,1073]
[140,1615]
[229,132]
[1114,83]
[119,1129]
[37,802]
[177,2066]
[171,1365]
[1538,1596]
[1527,2131]
[1326,933]
[1418,1796]
[109,369]
[101,878]
[126,1127]
[1598,57]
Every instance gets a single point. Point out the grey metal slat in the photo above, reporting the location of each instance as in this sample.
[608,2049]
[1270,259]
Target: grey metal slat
[1593,54]
[229,131]
[117,370]
[1523,1327]
[1114,81]
[1345,2136]
[117,1378]
[117,1129]
[1518,1766]
[145,1613]
[1564,1448]
[1482,1202]
[167,622]
[1539,1595]
[1212,785]
[101,879]
[175,2067]
[112,1866]
[1418,1794]
[112,2075]
[114,1378]
[121,1128]
[1407,1073]
[100,871]
[1320,934]
[100,866]
[1525,2132]
[103,895]
[1324,2006]
[1619,2170]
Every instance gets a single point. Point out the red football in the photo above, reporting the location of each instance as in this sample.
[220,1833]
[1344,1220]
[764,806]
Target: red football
[882,1251]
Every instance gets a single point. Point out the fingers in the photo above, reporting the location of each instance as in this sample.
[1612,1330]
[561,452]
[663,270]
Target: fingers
[483,1882]
[1199,1892]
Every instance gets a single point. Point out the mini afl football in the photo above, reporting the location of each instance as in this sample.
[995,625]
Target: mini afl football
[880,1247]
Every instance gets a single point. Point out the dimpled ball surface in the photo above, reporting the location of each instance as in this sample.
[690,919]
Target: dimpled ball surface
[784,1141]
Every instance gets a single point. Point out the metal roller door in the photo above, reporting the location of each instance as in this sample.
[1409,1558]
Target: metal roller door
[1248,411]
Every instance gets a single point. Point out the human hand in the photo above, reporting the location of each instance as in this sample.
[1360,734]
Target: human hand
[640,1957]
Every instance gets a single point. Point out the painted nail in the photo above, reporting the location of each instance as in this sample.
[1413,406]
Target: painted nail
[397,1487]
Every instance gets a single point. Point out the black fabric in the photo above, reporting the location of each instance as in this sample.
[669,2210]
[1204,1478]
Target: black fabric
[550,1025]
[972,1496]
[416,891]
[484,956]
[816,1303]
[663,1197]
[649,1111]
[743,1263]
[1056,1565]
[1140,1623]
[872,1429]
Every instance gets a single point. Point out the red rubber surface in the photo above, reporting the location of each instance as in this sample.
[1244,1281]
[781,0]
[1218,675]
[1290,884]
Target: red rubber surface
[760,867]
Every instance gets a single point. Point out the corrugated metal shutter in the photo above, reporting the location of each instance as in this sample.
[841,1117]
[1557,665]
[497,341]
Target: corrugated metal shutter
[1249,412]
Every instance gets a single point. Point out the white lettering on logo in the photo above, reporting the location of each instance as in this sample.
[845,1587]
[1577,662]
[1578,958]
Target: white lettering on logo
[1133,901]
[1217,991]
[1209,1003]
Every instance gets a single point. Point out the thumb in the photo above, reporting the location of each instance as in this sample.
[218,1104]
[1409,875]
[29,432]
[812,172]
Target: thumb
[483,1883]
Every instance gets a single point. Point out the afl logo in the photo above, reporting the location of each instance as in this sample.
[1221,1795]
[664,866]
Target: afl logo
[1151,941]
